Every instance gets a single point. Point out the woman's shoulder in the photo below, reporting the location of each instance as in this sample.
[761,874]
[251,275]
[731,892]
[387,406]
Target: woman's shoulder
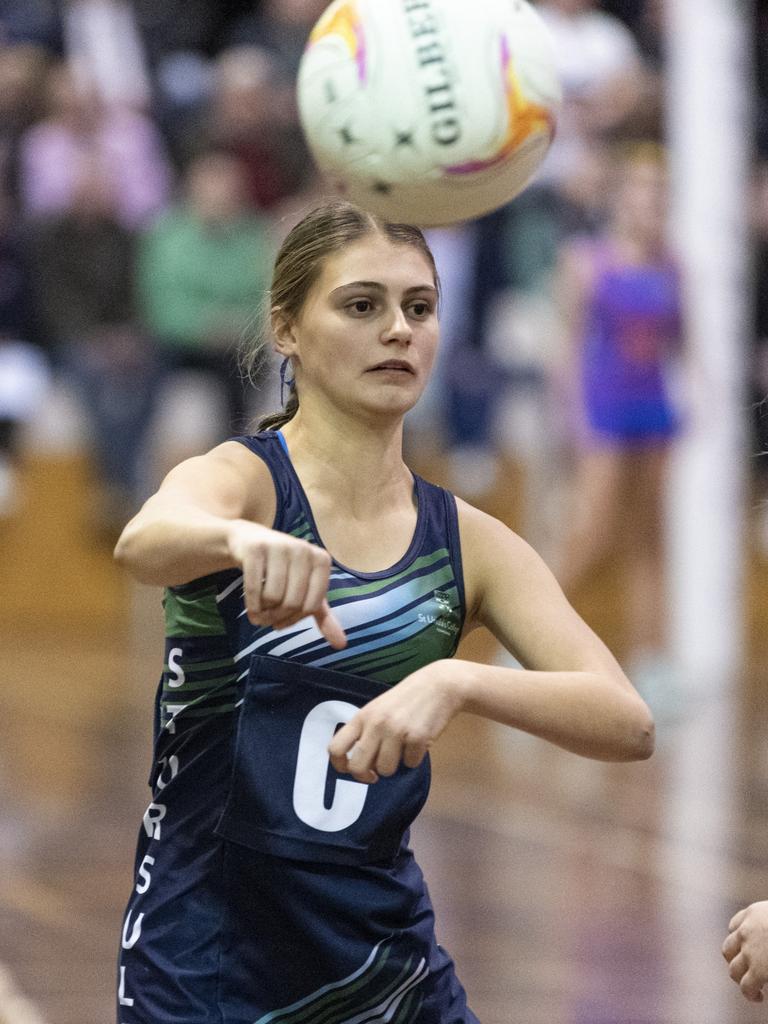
[239,452]
[250,454]
[488,542]
[233,469]
[480,525]
[492,554]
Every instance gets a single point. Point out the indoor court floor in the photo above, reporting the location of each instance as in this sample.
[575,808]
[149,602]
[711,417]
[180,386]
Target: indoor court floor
[568,892]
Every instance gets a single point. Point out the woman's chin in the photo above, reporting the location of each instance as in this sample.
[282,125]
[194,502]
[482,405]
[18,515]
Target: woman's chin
[394,404]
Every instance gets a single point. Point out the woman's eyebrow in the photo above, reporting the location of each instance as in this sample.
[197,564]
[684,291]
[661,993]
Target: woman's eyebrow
[371,285]
[421,288]
[379,287]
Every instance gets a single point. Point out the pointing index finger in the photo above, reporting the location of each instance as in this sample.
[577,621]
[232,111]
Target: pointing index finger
[330,627]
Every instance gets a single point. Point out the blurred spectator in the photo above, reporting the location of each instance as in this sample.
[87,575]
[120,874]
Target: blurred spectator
[83,261]
[604,84]
[31,24]
[279,26]
[630,11]
[649,29]
[603,78]
[24,373]
[645,19]
[536,222]
[22,72]
[79,129]
[760,58]
[181,39]
[622,309]
[522,339]
[509,259]
[182,26]
[254,111]
[251,113]
[24,382]
[759,375]
[106,52]
[204,271]
[472,382]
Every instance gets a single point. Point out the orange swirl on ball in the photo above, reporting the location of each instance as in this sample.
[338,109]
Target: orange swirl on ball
[525,119]
[345,23]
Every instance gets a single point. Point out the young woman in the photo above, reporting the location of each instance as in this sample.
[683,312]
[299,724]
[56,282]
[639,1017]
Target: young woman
[622,312]
[308,571]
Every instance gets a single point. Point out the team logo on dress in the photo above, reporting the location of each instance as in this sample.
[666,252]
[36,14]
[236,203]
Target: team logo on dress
[446,619]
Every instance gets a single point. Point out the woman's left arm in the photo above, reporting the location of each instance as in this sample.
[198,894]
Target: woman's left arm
[571,692]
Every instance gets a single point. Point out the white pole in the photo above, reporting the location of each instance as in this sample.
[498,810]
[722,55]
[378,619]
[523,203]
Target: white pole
[709,91]
[709,80]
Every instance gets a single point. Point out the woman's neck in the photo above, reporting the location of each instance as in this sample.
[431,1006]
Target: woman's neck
[341,456]
[637,247]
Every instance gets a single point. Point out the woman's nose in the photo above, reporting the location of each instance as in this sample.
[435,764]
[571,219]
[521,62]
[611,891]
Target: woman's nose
[399,329]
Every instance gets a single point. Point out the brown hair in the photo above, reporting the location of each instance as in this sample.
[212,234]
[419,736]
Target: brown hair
[325,231]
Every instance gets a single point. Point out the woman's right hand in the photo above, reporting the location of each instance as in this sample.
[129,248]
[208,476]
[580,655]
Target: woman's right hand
[284,579]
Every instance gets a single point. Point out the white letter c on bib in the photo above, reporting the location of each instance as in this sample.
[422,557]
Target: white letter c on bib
[312,771]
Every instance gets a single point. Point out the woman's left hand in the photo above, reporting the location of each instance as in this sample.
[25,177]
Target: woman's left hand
[399,725]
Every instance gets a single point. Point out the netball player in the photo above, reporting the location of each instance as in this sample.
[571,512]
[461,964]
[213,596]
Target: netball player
[316,592]
[622,313]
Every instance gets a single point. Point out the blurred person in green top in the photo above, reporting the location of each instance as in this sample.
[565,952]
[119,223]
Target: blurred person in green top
[203,268]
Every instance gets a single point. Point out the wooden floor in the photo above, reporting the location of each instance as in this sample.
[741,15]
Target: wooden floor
[568,892]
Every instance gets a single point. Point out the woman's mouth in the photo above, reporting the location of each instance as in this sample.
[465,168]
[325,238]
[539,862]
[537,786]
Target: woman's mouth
[393,366]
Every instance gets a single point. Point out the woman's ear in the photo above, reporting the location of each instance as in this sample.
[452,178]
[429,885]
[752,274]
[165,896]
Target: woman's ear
[282,329]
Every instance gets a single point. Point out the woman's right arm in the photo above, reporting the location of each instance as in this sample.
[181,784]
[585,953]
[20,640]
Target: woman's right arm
[211,513]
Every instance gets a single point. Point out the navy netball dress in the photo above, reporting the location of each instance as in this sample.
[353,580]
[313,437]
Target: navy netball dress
[268,888]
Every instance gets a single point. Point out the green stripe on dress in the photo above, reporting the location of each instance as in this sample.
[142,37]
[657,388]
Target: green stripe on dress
[190,667]
[192,616]
[371,588]
[190,685]
[337,1001]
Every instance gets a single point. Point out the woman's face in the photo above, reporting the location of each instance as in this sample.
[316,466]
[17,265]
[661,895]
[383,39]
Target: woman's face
[367,334]
[642,199]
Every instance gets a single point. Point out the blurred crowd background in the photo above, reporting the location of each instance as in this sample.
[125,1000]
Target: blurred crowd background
[150,160]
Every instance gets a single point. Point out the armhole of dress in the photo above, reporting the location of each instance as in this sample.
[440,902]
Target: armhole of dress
[277,524]
[454,548]
[280,496]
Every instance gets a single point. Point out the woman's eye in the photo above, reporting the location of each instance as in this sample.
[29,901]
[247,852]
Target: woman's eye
[421,309]
[361,306]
